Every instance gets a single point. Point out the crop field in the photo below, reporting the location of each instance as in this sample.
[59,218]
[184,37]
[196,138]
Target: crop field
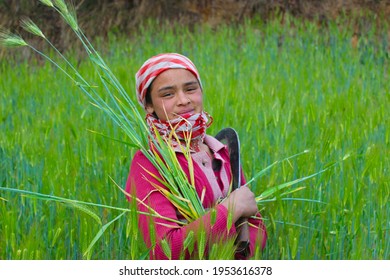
[285,89]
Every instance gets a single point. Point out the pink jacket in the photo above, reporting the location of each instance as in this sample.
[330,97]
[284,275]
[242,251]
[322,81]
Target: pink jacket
[142,183]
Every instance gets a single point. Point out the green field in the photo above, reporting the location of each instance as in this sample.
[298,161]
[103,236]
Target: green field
[285,88]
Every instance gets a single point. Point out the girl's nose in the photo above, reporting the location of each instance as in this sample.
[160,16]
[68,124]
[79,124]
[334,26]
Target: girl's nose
[183,98]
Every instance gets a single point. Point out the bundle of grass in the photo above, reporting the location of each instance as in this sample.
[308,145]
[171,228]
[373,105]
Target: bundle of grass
[108,95]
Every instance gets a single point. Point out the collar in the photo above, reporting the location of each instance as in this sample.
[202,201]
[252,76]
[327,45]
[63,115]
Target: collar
[210,141]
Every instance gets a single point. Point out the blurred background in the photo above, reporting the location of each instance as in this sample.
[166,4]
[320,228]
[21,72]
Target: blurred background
[100,18]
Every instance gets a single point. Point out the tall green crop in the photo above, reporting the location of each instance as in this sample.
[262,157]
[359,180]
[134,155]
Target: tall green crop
[285,89]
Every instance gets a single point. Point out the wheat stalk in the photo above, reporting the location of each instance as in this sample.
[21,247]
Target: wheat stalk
[176,186]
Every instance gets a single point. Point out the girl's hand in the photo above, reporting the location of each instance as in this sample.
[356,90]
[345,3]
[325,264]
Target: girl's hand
[242,203]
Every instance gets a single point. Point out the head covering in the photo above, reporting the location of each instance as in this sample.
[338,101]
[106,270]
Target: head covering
[154,66]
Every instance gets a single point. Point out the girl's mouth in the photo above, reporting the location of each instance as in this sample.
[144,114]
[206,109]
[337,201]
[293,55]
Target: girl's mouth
[185,113]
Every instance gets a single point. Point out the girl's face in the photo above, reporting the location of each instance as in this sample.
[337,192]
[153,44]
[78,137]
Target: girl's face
[173,93]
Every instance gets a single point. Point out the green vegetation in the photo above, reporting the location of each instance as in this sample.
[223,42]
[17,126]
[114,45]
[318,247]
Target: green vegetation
[285,88]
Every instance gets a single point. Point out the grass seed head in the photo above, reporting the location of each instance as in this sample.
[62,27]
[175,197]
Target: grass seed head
[71,20]
[47,3]
[30,26]
[68,13]
[11,40]
[60,4]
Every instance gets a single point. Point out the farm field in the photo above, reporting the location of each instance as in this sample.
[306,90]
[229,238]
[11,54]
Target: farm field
[284,88]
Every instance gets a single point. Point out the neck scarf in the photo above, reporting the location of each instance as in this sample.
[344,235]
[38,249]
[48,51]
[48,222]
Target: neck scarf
[187,127]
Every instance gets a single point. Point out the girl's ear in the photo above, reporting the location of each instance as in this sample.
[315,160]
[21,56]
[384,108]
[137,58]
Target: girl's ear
[149,108]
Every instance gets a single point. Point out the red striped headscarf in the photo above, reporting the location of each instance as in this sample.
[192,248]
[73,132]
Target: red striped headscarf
[154,66]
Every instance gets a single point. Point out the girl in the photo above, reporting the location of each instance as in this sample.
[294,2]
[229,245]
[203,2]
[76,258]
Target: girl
[169,88]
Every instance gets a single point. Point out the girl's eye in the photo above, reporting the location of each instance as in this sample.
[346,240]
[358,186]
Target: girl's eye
[191,89]
[167,94]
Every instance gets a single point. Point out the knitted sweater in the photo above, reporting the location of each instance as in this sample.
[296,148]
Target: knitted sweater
[212,185]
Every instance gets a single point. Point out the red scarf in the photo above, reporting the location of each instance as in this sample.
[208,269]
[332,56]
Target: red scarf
[186,126]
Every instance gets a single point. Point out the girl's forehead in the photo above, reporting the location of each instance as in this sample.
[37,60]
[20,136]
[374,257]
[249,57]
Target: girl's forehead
[174,77]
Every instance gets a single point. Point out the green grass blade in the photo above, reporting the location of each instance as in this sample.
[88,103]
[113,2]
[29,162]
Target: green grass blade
[263,171]
[114,139]
[87,253]
[275,189]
